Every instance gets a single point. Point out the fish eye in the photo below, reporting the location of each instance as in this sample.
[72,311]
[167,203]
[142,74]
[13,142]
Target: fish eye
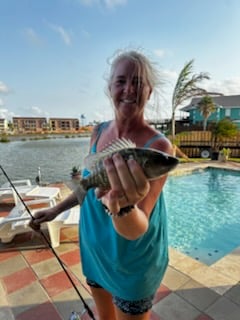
[147,163]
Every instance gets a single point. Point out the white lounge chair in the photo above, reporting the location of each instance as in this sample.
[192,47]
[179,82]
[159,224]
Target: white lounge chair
[44,192]
[30,192]
[22,187]
[18,219]
[68,218]
[17,183]
[6,192]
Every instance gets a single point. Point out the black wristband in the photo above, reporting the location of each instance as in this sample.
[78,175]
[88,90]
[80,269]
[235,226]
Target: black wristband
[123,211]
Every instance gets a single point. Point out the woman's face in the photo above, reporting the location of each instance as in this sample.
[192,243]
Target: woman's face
[129,88]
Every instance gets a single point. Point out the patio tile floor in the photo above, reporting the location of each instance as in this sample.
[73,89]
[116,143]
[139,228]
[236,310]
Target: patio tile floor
[34,286]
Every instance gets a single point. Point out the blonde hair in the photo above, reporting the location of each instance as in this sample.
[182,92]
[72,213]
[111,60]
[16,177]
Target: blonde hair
[144,65]
[142,62]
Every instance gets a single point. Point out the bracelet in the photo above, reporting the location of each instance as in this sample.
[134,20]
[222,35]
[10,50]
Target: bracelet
[123,211]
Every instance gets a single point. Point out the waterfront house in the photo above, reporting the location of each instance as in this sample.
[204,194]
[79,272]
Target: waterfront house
[226,107]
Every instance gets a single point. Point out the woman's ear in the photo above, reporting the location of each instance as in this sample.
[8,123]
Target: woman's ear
[150,92]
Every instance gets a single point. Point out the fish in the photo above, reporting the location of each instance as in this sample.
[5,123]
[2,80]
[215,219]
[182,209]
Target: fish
[154,163]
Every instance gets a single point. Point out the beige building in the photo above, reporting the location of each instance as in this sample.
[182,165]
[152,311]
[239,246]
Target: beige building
[24,125]
[29,124]
[64,124]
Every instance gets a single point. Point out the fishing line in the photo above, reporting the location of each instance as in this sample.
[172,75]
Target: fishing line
[89,311]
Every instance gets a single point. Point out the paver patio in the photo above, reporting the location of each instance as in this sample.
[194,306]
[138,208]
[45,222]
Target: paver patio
[34,286]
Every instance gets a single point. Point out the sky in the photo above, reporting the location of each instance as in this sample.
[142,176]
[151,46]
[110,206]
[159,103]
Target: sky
[54,54]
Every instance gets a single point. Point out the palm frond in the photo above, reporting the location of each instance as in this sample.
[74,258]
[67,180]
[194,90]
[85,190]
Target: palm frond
[186,88]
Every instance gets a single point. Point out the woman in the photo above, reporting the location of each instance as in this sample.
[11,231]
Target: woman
[124,255]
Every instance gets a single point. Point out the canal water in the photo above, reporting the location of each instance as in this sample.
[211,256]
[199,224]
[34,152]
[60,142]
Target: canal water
[55,157]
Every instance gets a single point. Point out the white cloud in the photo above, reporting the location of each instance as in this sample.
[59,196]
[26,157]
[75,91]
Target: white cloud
[6,114]
[230,86]
[169,75]
[36,111]
[159,53]
[63,33]
[31,35]
[103,114]
[23,112]
[162,53]
[99,117]
[3,112]
[4,88]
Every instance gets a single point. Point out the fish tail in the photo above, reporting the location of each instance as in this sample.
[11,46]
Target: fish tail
[77,187]
[80,193]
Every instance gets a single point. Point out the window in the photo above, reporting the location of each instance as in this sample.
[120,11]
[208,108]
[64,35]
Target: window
[228,112]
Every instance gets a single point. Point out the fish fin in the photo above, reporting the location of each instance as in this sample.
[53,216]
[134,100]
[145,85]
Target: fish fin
[119,144]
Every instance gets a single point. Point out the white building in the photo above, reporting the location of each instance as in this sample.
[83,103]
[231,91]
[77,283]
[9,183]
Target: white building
[3,125]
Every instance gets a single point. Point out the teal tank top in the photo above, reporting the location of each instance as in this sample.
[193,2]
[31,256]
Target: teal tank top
[129,269]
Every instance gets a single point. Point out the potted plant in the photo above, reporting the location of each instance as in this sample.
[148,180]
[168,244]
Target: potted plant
[224,154]
[76,172]
[221,130]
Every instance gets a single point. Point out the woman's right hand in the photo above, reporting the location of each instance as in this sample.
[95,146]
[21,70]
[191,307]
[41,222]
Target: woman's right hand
[42,216]
[49,214]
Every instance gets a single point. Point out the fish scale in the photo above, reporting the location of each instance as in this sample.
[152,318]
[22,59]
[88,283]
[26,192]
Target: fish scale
[98,178]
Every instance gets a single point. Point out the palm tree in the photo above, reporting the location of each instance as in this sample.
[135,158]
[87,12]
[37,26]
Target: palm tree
[186,88]
[207,107]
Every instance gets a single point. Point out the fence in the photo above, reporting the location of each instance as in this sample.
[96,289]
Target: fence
[199,144]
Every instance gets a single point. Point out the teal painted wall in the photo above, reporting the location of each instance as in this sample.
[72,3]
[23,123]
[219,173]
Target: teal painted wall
[195,116]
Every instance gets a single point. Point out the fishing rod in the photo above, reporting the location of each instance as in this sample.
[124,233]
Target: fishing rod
[74,315]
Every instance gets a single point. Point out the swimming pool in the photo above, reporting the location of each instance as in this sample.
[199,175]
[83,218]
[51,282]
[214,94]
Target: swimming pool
[204,213]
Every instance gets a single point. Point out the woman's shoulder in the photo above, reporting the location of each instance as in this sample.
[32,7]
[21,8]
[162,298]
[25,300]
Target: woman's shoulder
[158,140]
[98,128]
[163,144]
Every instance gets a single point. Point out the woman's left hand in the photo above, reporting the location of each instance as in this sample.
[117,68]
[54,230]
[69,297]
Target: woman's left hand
[129,184]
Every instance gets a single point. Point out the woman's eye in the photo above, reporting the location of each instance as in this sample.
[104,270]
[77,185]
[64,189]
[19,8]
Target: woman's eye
[120,82]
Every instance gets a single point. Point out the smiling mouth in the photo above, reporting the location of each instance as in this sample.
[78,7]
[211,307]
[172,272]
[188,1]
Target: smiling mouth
[128,101]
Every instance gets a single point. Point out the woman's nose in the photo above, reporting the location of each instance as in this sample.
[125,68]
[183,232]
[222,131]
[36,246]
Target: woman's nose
[129,87]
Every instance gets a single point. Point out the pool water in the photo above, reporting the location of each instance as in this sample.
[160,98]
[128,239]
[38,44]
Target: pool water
[204,213]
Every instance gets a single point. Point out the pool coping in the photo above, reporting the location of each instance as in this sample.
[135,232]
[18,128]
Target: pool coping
[224,273]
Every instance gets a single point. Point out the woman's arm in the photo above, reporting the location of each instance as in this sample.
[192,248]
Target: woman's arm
[131,187]
[49,214]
